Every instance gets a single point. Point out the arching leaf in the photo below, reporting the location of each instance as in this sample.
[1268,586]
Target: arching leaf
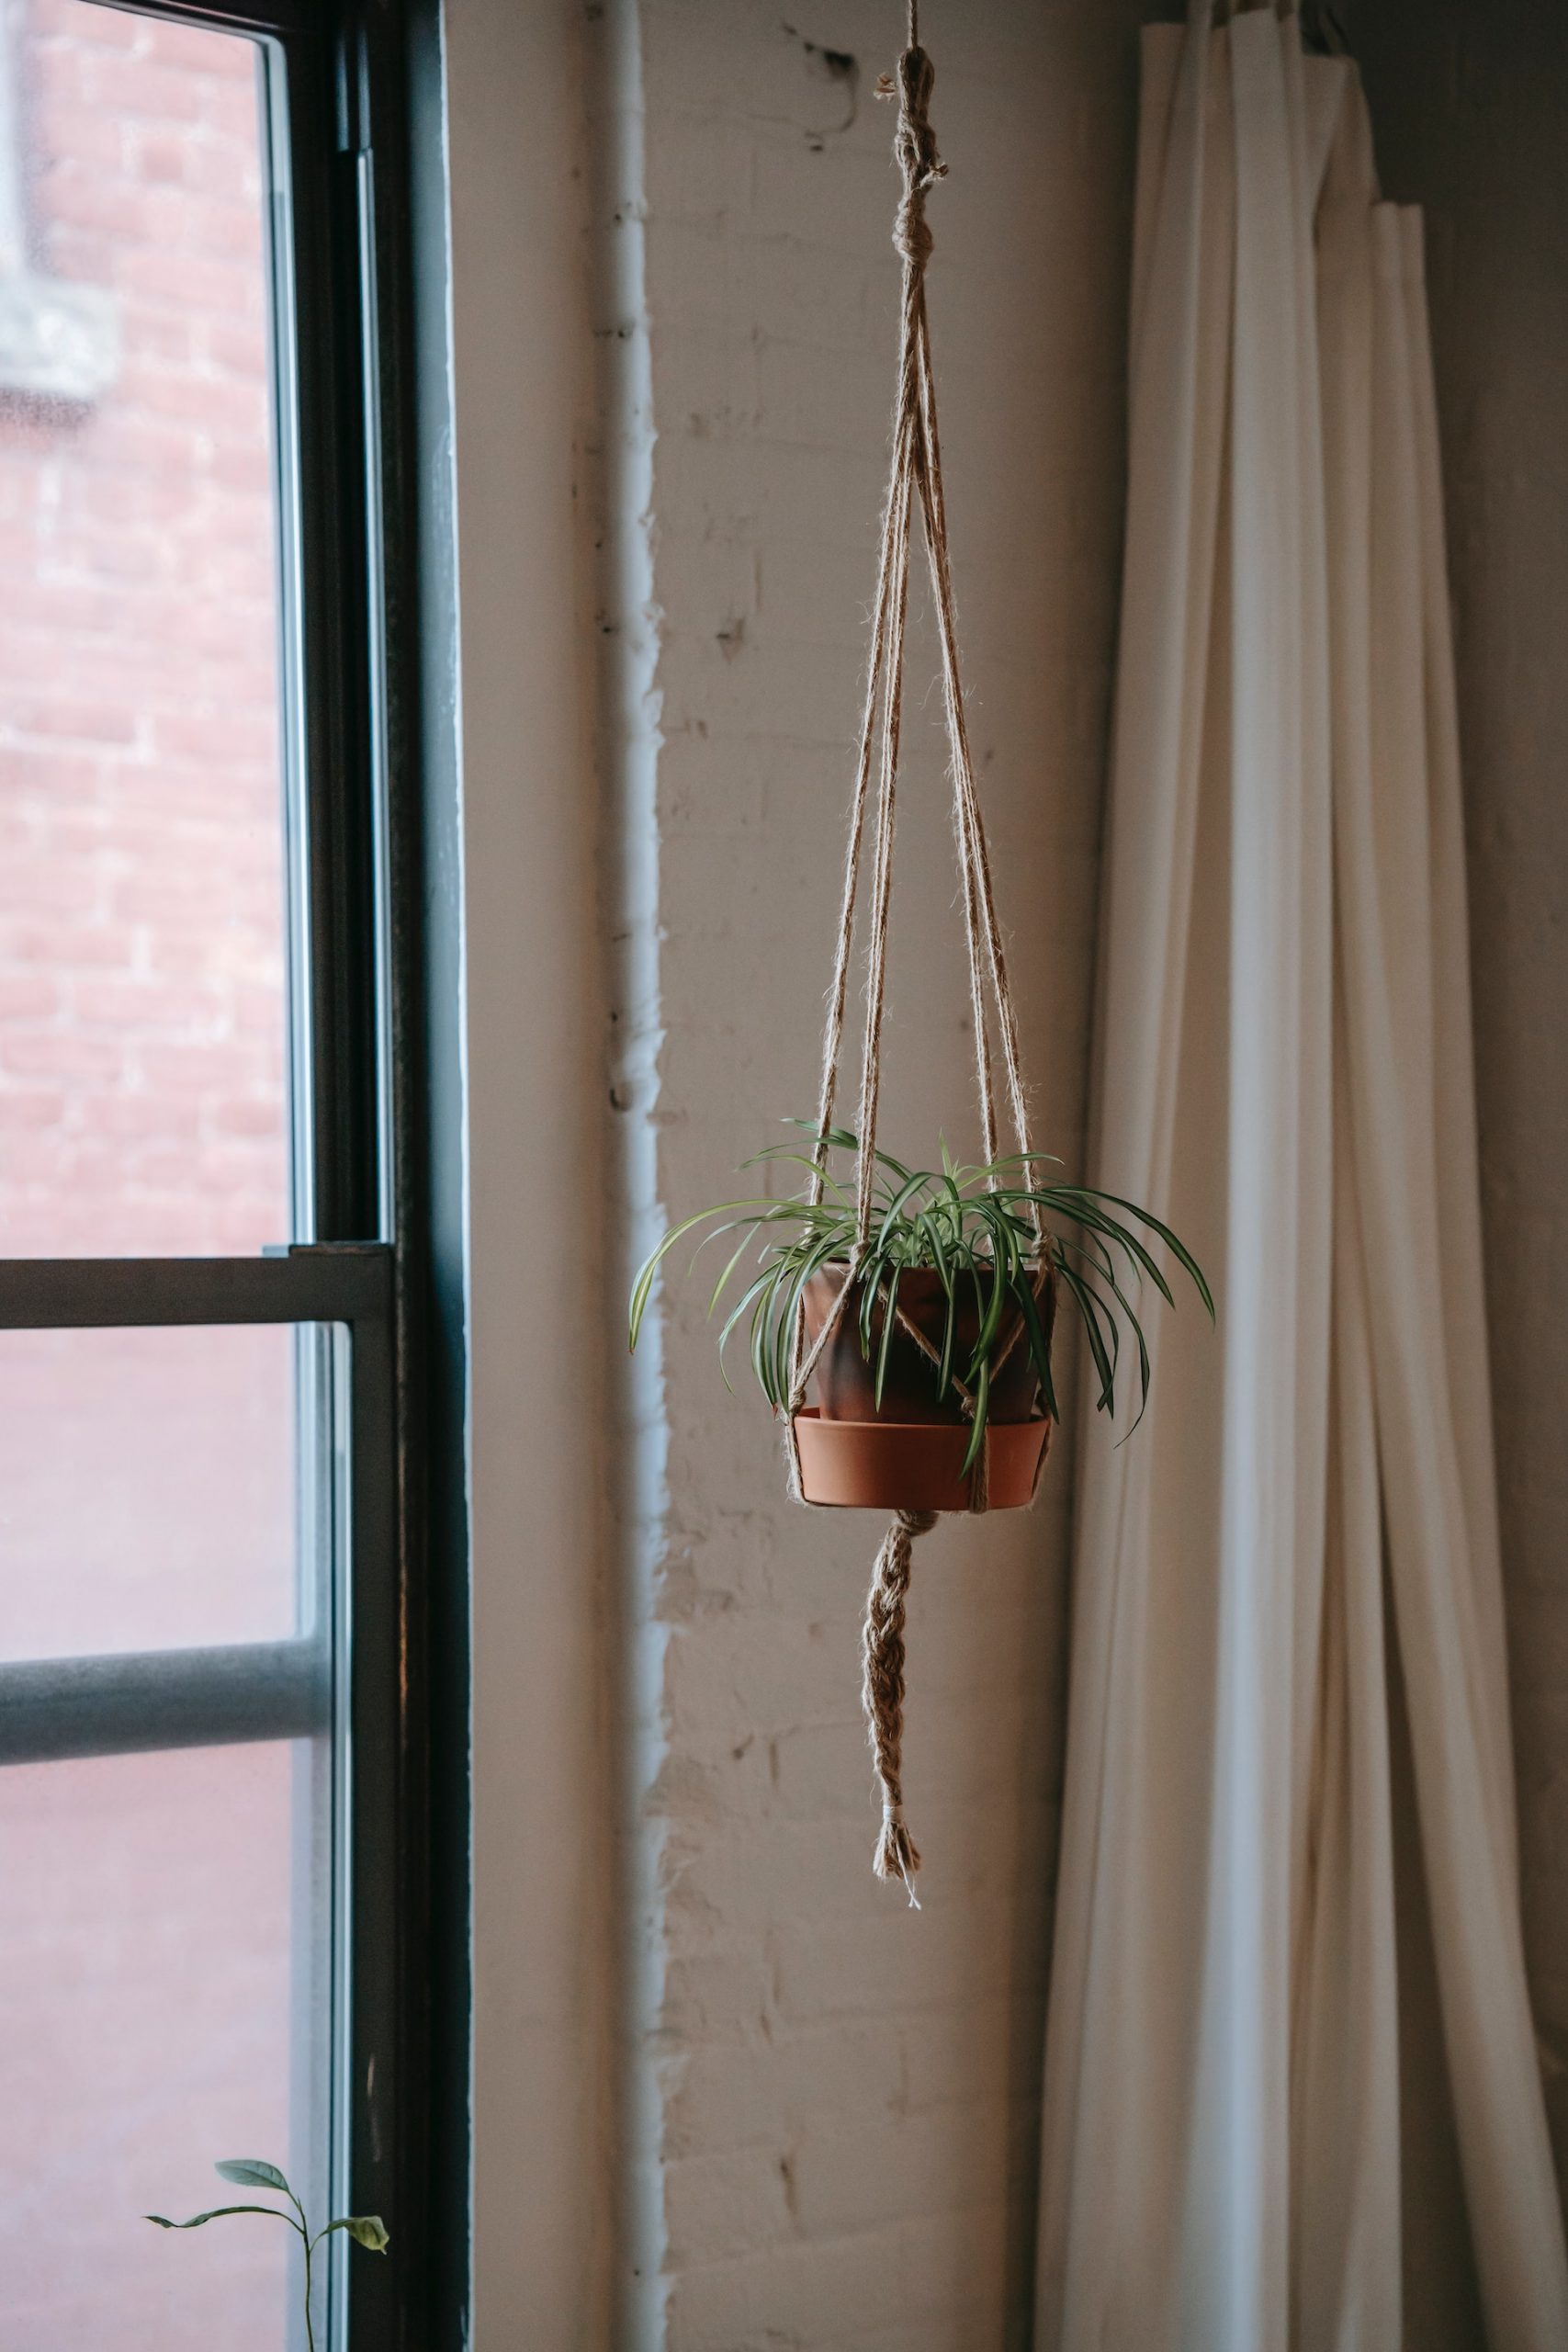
[198,2221]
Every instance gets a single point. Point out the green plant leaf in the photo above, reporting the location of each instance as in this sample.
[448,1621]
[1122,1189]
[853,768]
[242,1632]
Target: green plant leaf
[775,1153]
[1089,1312]
[1177,1248]
[817,1258]
[1078,1210]
[778,1312]
[930,1233]
[758,1335]
[1109,1230]
[884,1159]
[1039,1347]
[1025,1160]
[949,1336]
[1129,1316]
[889,1318]
[253,2172]
[647,1273]
[954,1202]
[836,1138]
[977,1283]
[723,1282]
[897,1204]
[365,2229]
[991,1300]
[198,2220]
[982,1413]
[746,1226]
[757,1283]
[980,1222]
[843,1139]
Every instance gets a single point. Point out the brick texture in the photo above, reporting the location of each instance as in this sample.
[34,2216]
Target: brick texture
[141,1021]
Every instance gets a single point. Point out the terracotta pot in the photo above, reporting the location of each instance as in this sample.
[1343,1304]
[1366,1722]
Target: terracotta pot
[907,1453]
[915,1465]
[846,1380]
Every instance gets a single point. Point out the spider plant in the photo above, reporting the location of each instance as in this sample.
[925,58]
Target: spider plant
[992,1232]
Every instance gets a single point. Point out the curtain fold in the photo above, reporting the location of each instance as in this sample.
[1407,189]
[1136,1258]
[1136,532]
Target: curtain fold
[1284,1062]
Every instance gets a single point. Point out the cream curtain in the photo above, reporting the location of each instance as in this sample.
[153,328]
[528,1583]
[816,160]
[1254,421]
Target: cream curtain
[1284,1064]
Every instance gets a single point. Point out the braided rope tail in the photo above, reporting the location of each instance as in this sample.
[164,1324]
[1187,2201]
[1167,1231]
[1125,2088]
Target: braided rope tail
[882,1653]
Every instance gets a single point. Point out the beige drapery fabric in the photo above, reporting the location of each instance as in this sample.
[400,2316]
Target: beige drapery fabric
[1283,1053]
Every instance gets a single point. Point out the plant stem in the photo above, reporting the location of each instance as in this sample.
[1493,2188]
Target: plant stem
[303,2226]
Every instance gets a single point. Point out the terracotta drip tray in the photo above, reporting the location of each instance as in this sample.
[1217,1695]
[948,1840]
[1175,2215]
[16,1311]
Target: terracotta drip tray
[914,1465]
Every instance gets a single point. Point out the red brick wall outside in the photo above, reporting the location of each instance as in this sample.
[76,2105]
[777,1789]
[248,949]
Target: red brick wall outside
[145,1930]
[140,943]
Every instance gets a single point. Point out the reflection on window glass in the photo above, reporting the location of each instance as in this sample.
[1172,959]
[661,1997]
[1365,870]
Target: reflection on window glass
[148,1992]
[147,1490]
[142,1013]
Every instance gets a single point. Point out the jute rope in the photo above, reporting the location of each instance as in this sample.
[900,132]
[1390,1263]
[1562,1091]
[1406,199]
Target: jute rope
[916,474]
[882,1651]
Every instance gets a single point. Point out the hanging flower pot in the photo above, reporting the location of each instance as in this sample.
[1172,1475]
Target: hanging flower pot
[882,1434]
[906,1341]
[898,1320]
[921,1307]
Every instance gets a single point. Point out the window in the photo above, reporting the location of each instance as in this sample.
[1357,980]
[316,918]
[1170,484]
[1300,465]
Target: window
[213,1762]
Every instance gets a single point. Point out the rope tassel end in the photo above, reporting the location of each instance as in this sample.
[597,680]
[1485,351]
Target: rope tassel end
[896,1855]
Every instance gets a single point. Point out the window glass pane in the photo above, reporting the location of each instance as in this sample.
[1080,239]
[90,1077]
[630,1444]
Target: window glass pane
[155,2009]
[142,1000]
[148,1495]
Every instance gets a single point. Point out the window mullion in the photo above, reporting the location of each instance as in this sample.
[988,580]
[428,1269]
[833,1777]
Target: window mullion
[133,1702]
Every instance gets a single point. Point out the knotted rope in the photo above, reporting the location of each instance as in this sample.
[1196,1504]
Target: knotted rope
[914,473]
[882,1651]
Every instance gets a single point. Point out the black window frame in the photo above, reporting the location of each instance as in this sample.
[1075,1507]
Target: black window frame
[361,83]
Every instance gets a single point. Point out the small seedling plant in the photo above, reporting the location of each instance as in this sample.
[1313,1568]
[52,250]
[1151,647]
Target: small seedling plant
[991,1231]
[254,2172]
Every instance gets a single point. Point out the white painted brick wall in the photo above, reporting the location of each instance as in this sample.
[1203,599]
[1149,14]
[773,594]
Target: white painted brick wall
[838,2096]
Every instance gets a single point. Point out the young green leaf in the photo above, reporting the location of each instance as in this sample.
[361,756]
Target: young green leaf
[365,2229]
[253,2172]
[197,2221]
[897,1204]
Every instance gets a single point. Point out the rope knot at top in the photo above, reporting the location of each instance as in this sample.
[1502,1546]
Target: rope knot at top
[915,150]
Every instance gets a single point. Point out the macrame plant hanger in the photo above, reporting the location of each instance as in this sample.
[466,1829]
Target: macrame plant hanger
[915,472]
